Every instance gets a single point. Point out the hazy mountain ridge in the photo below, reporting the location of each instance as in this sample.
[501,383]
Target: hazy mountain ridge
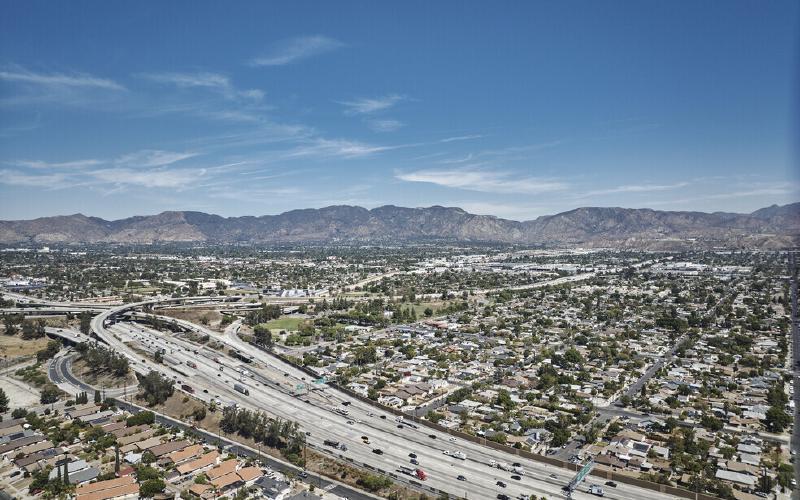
[769,227]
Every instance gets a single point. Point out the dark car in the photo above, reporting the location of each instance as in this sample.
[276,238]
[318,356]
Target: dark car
[461,478]
[383,417]
[516,464]
[399,426]
[516,477]
[432,436]
[412,455]
[611,484]
[502,496]
[414,461]
[377,451]
[501,484]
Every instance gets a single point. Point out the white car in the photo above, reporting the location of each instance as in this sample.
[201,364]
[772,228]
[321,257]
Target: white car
[446,452]
[452,440]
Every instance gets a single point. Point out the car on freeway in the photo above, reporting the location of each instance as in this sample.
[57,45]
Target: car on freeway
[432,436]
[303,474]
[553,476]
[452,440]
[461,478]
[412,455]
[399,426]
[350,422]
[501,484]
[611,484]
[515,477]
[502,496]
[446,452]
[414,461]
[383,417]
[377,451]
[516,464]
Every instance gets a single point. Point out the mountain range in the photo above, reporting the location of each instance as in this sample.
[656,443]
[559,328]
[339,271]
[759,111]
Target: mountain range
[769,228]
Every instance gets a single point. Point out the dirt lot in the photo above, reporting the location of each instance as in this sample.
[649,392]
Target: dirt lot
[211,317]
[21,394]
[14,346]
[103,379]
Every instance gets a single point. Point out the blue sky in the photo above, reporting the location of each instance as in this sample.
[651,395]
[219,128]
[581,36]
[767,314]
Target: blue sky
[517,109]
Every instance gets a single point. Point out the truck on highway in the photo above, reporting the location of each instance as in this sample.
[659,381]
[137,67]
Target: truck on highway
[240,388]
[418,473]
[187,388]
[597,490]
[171,360]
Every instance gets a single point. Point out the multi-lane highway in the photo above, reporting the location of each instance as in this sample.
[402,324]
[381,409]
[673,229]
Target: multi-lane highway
[283,391]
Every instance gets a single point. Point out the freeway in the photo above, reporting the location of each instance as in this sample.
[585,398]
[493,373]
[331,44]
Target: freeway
[282,391]
[20,298]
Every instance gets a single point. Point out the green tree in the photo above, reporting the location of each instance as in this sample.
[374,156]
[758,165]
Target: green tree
[777,419]
[263,335]
[4,401]
[10,322]
[155,388]
[86,323]
[49,394]
[151,487]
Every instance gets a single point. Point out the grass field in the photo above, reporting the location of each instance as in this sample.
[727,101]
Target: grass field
[12,346]
[289,324]
[420,309]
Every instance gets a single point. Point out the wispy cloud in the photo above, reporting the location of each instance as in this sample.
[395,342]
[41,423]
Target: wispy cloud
[152,158]
[637,188]
[461,138]
[212,81]
[42,165]
[483,180]
[43,181]
[368,105]
[295,49]
[384,125]
[21,75]
[24,87]
[343,148]
[176,179]
[147,168]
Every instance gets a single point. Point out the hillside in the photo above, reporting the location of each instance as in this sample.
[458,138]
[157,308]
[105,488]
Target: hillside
[770,227]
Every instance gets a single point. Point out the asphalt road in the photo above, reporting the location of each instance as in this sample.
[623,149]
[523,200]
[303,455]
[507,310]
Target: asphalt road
[272,386]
